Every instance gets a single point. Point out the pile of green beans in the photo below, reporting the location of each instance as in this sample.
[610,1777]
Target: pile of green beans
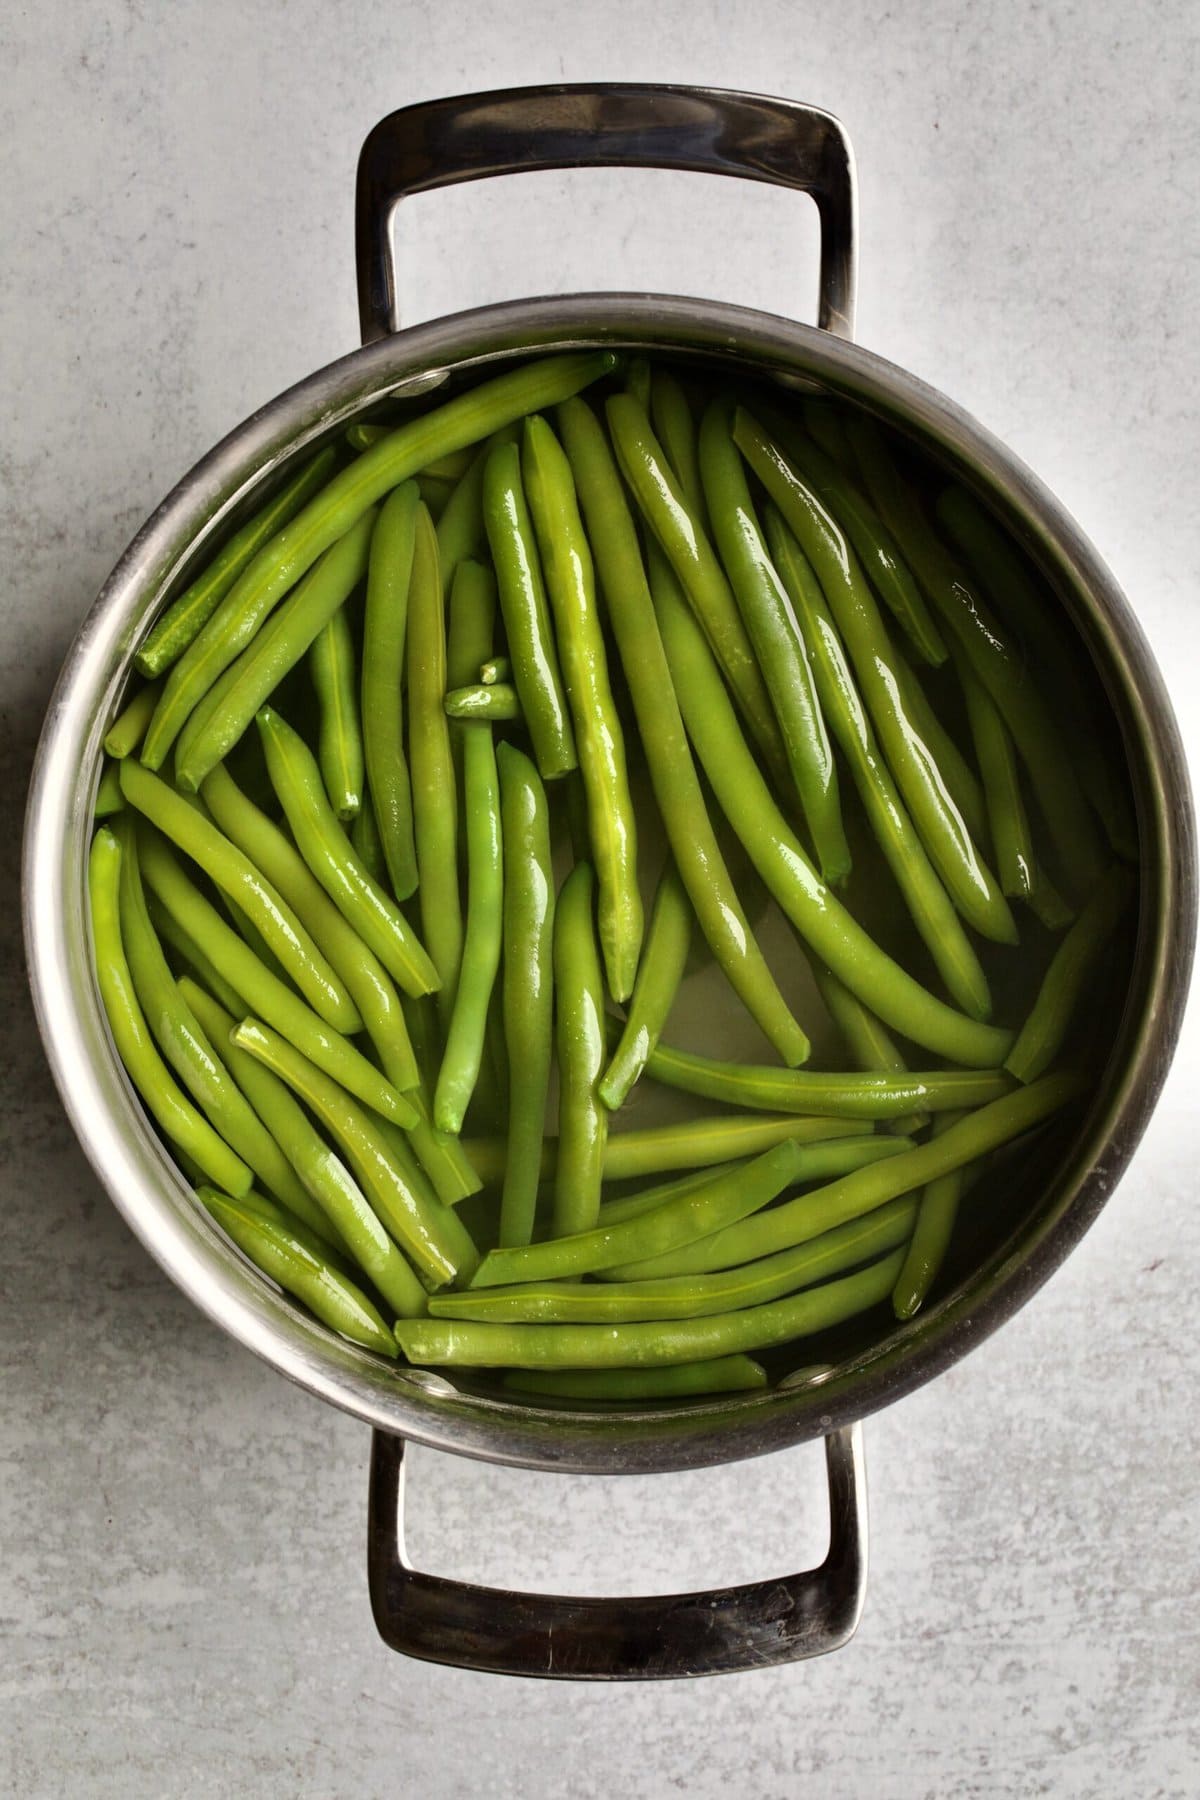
[474,732]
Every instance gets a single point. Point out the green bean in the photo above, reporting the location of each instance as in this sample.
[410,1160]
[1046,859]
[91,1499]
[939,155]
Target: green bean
[675,428]
[774,631]
[240,878]
[385,626]
[340,743]
[692,1145]
[936,1213]
[928,903]
[691,1296]
[496,705]
[441,1155]
[599,738]
[277,1214]
[184,618]
[579,1025]
[224,713]
[951,849]
[672,772]
[994,659]
[813,909]
[461,533]
[1015,860]
[367,843]
[528,983]
[127,731]
[430,1234]
[862,1191]
[481,946]
[629,1206]
[637,380]
[361,435]
[495,669]
[288,556]
[365,978]
[868,1042]
[470,634]
[722,1201]
[463,1343]
[526,612]
[336,1301]
[434,790]
[434,494]
[717,1375]
[660,971]
[1043,1032]
[179,1119]
[694,561]
[260,990]
[109,798]
[962,783]
[328,852]
[186,948]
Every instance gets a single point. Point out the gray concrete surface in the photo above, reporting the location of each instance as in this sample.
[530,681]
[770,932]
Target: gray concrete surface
[182,1587]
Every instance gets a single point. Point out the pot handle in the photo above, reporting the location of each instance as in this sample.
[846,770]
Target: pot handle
[641,1639]
[713,131]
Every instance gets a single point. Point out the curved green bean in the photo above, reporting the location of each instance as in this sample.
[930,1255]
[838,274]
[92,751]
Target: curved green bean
[936,1213]
[1041,1037]
[171,933]
[1016,863]
[336,1301]
[528,983]
[774,631]
[672,772]
[367,843]
[660,971]
[962,783]
[481,945]
[236,875]
[628,1206]
[460,530]
[499,704]
[328,852]
[385,627]
[179,1119]
[434,787]
[868,1043]
[717,1375]
[340,743]
[579,1027]
[128,729]
[109,798]
[675,429]
[523,603]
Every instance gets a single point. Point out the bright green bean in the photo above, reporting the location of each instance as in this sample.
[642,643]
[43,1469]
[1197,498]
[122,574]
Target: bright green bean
[464,1343]
[496,705]
[460,530]
[481,946]
[523,602]
[240,878]
[329,854]
[274,1210]
[660,971]
[170,932]
[867,1040]
[1016,863]
[962,783]
[936,1213]
[813,909]
[340,744]
[717,1375]
[774,631]
[672,772]
[430,1234]
[128,729]
[470,634]
[579,1028]
[262,991]
[185,617]
[227,709]
[629,1206]
[179,1119]
[109,798]
[528,983]
[336,1301]
[434,788]
[928,903]
[675,429]
[367,843]
[1042,1035]
[385,626]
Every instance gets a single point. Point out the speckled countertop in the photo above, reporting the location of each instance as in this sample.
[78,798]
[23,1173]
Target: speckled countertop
[182,1585]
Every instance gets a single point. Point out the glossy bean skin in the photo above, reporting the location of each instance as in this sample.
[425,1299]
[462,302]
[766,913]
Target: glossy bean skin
[385,629]
[470,634]
[968,880]
[336,1301]
[628,1206]
[188,951]
[109,798]
[932,1227]
[329,854]
[368,845]
[691,1296]
[461,533]
[1044,1031]
[499,704]
[229,706]
[599,738]
[340,505]
[524,604]
[818,916]
[718,1375]
[796,1221]
[434,784]
[465,1343]
[237,964]
[581,1047]
[182,1122]
[677,790]
[430,1234]
[340,745]
[778,641]
[528,982]
[660,971]
[962,783]
[237,876]
[482,940]
[929,905]
[129,727]
[675,429]
[184,619]
[868,1042]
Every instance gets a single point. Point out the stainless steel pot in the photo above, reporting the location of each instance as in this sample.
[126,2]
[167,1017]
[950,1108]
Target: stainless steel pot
[1059,1194]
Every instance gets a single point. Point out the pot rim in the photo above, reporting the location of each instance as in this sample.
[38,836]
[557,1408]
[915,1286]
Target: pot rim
[135,1168]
